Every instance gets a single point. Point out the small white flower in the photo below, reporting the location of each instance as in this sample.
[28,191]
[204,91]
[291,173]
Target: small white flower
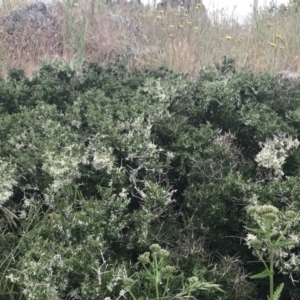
[274,153]
[7,180]
[22,215]
[76,123]
[123,194]
[12,278]
[170,155]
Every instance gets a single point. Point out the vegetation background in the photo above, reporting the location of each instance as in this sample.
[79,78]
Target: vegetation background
[94,31]
[150,155]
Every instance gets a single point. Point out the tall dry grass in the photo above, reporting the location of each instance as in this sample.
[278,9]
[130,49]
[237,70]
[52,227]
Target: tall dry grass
[91,30]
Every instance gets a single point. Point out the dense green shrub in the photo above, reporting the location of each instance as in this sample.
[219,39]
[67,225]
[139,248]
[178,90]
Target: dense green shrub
[97,165]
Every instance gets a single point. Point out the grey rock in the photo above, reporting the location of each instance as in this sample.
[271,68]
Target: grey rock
[187,4]
[287,76]
[35,16]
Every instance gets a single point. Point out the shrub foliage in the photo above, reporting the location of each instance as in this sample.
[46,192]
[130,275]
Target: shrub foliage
[98,165]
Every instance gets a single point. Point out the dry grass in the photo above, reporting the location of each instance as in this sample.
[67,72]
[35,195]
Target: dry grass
[94,31]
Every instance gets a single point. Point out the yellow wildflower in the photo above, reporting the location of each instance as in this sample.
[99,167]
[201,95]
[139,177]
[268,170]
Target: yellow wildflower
[181,7]
[158,17]
[240,40]
[196,28]
[197,7]
[270,24]
[75,4]
[272,44]
[278,36]
[180,26]
[281,47]
[228,37]
[171,35]
[171,26]
[189,22]
[161,12]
